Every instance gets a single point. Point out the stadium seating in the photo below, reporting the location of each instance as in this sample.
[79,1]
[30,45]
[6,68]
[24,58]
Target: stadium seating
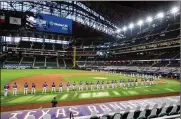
[40,61]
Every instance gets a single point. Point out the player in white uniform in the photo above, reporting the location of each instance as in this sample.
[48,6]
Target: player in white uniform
[102,85]
[92,86]
[107,84]
[6,88]
[86,85]
[60,87]
[73,86]
[44,88]
[33,91]
[68,87]
[80,86]
[15,89]
[25,88]
[53,88]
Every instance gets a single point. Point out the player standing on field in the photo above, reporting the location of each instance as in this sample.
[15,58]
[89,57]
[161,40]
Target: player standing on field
[53,88]
[33,88]
[98,85]
[6,87]
[136,81]
[44,88]
[73,86]
[107,84]
[15,89]
[86,85]
[25,88]
[92,86]
[80,86]
[68,86]
[115,84]
[102,85]
[112,83]
[60,87]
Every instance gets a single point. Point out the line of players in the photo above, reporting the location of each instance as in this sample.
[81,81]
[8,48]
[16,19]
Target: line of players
[99,85]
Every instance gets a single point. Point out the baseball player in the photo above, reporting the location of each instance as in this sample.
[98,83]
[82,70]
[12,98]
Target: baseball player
[44,88]
[102,85]
[129,83]
[136,81]
[107,84]
[60,87]
[80,86]
[147,82]
[15,89]
[98,85]
[68,86]
[73,85]
[115,84]
[112,83]
[33,88]
[86,85]
[142,82]
[25,88]
[132,83]
[92,85]
[6,87]
[53,88]
[121,83]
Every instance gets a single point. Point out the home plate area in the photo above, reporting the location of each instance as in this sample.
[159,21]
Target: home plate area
[85,111]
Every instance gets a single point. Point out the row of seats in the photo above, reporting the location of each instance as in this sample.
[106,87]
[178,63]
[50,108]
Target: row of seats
[146,113]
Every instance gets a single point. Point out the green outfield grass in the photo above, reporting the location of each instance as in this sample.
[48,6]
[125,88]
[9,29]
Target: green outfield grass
[8,75]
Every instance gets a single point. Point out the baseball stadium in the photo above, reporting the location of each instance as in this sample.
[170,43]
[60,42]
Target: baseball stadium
[90,60]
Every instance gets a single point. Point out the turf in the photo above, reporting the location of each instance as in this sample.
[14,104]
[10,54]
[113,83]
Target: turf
[8,75]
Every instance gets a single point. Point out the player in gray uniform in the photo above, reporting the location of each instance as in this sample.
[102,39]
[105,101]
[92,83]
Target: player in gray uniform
[98,85]
[115,84]
[68,87]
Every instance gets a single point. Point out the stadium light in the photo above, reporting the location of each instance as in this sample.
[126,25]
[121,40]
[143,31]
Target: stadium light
[174,10]
[131,27]
[118,30]
[140,23]
[149,19]
[124,28]
[160,15]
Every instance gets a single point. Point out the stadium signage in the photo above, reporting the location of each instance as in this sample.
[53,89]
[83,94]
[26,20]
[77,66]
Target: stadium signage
[86,110]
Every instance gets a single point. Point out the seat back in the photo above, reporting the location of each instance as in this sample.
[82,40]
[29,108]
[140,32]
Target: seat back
[147,107]
[155,106]
[164,109]
[142,114]
[30,117]
[174,109]
[138,108]
[47,116]
[130,115]
[117,116]
[13,118]
[127,109]
[153,112]
[94,113]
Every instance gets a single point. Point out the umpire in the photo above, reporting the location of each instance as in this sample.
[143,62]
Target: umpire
[54,102]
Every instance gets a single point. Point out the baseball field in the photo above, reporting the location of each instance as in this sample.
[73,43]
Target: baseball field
[39,76]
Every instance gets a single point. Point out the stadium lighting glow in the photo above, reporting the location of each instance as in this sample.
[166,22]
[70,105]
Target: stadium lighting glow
[174,10]
[140,22]
[160,15]
[118,30]
[124,28]
[149,19]
[131,25]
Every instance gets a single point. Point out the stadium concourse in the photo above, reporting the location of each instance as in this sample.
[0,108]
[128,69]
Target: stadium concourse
[129,52]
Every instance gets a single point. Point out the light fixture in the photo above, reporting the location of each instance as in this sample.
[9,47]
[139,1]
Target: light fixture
[160,15]
[174,10]
[118,30]
[140,22]
[124,28]
[149,19]
[131,25]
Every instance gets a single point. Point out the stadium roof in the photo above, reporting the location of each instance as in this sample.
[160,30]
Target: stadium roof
[124,12]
